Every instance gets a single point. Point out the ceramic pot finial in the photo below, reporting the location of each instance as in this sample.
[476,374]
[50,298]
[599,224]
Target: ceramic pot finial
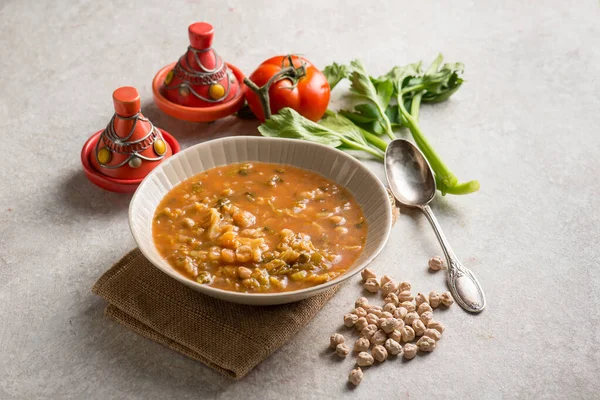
[126,100]
[201,35]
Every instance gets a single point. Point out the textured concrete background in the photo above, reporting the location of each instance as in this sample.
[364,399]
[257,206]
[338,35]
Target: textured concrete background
[525,124]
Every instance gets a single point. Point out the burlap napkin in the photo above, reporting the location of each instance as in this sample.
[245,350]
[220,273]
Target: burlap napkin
[227,337]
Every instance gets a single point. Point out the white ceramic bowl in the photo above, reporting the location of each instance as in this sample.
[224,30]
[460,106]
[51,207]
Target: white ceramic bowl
[345,170]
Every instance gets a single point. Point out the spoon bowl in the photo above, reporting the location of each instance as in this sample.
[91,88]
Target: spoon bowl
[412,183]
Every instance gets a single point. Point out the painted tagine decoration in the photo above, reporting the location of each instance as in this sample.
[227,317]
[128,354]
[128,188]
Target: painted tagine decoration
[200,78]
[130,146]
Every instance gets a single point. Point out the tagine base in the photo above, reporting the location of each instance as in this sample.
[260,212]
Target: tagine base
[114,184]
[197,114]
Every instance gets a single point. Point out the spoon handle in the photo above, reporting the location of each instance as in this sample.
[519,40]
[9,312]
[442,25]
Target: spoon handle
[462,283]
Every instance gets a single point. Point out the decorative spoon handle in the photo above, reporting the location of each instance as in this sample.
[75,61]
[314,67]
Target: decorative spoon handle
[462,283]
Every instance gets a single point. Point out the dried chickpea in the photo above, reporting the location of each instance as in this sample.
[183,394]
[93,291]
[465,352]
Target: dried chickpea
[367,274]
[420,298]
[426,343]
[433,333]
[374,310]
[372,319]
[379,337]
[391,298]
[369,331]
[389,325]
[350,319]
[400,313]
[446,299]
[355,376]
[379,353]
[389,287]
[360,312]
[385,279]
[419,327]
[364,359]
[386,314]
[362,344]
[335,339]
[426,317]
[409,306]
[424,308]
[389,307]
[411,317]
[361,324]
[342,350]
[434,299]
[405,295]
[437,325]
[393,347]
[244,273]
[371,285]
[361,302]
[404,286]
[436,263]
[396,335]
[410,351]
[408,334]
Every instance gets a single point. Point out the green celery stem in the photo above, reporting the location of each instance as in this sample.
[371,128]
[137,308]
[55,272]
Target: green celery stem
[375,140]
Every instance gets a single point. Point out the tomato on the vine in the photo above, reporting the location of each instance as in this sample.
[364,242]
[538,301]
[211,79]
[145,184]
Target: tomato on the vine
[287,81]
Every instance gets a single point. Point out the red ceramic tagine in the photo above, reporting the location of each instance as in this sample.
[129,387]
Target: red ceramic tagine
[119,157]
[200,86]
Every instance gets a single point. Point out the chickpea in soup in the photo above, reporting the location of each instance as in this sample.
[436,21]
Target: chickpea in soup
[259,227]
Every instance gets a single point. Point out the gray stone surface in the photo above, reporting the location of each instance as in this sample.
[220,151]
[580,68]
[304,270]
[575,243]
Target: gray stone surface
[525,124]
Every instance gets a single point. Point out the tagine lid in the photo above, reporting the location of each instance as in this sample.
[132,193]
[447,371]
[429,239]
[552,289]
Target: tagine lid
[129,147]
[200,86]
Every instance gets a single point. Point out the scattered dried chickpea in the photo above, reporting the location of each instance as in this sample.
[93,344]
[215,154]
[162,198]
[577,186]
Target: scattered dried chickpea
[426,317]
[411,317]
[389,325]
[369,331]
[419,327]
[371,285]
[405,296]
[372,319]
[410,351]
[393,347]
[408,334]
[420,298]
[360,312]
[361,324]
[374,310]
[379,353]
[350,319]
[426,343]
[446,299]
[361,302]
[433,333]
[367,274]
[437,325]
[362,344]
[355,376]
[434,299]
[404,286]
[396,335]
[409,306]
[379,337]
[335,339]
[391,298]
[400,313]
[389,287]
[386,314]
[389,307]
[385,279]
[424,307]
[342,350]
[364,359]
[436,263]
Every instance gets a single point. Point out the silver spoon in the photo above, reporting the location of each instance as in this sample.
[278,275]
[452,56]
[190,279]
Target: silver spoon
[411,181]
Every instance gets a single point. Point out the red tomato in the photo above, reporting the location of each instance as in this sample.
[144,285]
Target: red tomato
[309,97]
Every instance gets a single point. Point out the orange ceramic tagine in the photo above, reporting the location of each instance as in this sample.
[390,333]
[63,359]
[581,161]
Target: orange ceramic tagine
[200,86]
[120,156]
